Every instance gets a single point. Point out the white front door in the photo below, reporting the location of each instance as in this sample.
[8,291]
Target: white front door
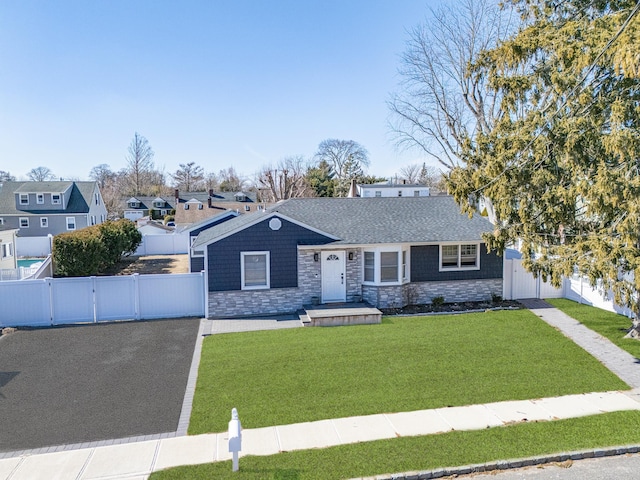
[334,283]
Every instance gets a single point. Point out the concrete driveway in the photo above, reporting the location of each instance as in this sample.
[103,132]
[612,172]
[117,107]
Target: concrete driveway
[69,385]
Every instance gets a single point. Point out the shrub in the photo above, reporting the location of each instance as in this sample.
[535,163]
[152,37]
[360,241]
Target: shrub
[437,301]
[94,249]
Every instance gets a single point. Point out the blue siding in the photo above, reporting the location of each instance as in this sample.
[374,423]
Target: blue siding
[425,265]
[197,264]
[224,255]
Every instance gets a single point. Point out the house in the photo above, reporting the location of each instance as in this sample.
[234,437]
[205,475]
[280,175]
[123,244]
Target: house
[194,207]
[151,227]
[392,190]
[143,206]
[8,257]
[38,209]
[196,257]
[391,252]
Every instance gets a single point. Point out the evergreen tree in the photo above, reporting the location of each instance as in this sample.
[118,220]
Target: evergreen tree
[561,166]
[321,179]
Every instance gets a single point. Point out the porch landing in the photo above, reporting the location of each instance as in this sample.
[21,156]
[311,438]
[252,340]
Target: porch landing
[336,314]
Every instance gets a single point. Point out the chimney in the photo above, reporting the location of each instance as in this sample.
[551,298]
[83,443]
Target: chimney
[211,192]
[176,195]
[209,202]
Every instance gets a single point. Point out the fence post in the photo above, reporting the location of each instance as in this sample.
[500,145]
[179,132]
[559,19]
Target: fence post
[205,281]
[94,299]
[136,294]
[49,281]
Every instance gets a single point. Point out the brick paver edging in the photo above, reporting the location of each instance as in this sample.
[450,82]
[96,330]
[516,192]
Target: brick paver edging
[508,464]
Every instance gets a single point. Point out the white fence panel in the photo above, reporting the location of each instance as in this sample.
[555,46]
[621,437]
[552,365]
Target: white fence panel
[186,296]
[172,244]
[73,300]
[33,246]
[579,290]
[116,298]
[519,283]
[25,303]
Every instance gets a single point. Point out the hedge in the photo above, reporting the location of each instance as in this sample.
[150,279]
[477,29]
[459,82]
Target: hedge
[94,249]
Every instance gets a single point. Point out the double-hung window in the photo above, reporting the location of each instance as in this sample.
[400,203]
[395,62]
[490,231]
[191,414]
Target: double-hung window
[24,222]
[24,199]
[40,198]
[385,265]
[71,223]
[56,199]
[254,270]
[44,222]
[7,250]
[460,257]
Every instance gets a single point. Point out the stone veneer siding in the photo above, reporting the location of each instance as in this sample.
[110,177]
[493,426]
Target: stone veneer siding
[423,292]
[237,303]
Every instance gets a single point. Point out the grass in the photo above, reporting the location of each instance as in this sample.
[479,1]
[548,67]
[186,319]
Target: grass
[427,452]
[404,364]
[608,324]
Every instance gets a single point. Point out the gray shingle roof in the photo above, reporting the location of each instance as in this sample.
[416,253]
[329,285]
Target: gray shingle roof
[79,199]
[362,221]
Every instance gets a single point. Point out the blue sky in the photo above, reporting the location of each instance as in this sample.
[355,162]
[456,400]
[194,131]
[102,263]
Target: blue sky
[223,83]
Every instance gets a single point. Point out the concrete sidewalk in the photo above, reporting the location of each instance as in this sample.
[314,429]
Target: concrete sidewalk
[136,461]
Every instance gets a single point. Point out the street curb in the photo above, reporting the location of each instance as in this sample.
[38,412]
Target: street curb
[507,464]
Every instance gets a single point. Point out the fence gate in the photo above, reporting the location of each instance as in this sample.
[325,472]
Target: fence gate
[518,283]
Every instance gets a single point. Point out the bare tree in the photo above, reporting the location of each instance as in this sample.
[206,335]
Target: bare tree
[286,180]
[344,157]
[6,177]
[139,162]
[211,181]
[230,181]
[40,174]
[442,103]
[432,177]
[102,174]
[188,177]
[410,173]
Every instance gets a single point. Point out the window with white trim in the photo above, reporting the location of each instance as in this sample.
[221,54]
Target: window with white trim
[465,256]
[24,199]
[71,223]
[378,193]
[369,267]
[44,222]
[24,222]
[388,267]
[40,198]
[55,199]
[254,270]
[1,221]
[7,249]
[385,265]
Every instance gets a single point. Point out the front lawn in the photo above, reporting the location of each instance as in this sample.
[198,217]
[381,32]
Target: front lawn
[608,324]
[404,364]
[427,452]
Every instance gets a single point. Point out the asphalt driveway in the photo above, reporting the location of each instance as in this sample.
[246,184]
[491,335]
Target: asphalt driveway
[79,384]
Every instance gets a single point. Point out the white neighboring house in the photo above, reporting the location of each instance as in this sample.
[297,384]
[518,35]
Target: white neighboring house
[8,257]
[392,190]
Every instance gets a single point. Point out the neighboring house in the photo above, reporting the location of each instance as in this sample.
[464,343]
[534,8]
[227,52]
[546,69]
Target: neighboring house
[190,207]
[194,207]
[38,209]
[196,257]
[141,206]
[8,257]
[392,190]
[390,252]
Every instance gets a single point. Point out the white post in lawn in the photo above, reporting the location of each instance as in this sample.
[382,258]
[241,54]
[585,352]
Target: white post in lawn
[235,438]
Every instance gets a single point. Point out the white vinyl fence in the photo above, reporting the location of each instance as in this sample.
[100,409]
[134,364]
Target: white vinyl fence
[518,283]
[172,244]
[58,301]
